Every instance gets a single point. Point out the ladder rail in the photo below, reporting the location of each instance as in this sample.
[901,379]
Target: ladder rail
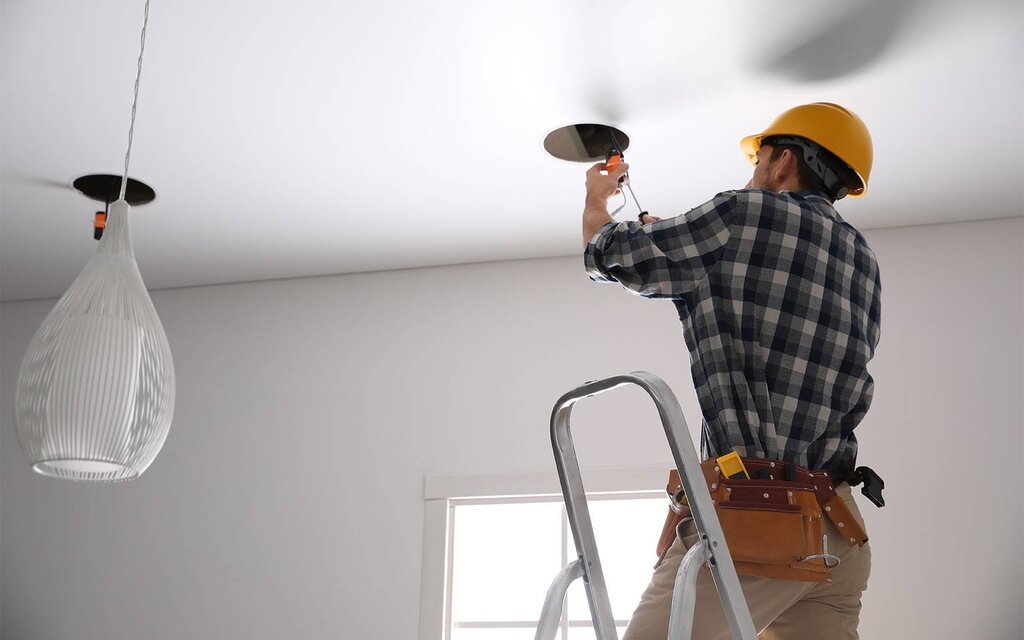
[687,463]
[552,611]
[684,592]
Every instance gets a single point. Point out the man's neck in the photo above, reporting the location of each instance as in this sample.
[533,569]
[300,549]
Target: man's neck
[791,183]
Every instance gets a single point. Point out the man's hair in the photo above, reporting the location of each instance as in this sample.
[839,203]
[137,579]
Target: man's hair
[809,180]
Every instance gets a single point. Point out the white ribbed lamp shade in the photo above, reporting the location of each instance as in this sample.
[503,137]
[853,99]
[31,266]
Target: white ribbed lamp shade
[95,391]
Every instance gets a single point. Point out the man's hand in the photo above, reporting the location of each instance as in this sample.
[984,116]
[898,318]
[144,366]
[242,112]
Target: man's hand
[601,187]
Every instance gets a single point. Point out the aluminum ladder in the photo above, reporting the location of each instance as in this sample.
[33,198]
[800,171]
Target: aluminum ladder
[711,547]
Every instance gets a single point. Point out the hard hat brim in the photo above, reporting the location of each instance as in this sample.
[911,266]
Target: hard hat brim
[750,146]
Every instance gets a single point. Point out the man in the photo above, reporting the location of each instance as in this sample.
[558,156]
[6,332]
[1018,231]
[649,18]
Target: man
[779,301]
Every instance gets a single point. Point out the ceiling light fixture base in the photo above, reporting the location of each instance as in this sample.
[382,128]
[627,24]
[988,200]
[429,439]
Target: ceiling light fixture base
[586,142]
[105,188]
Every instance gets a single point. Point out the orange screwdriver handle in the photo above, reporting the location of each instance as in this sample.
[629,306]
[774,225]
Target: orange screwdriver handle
[613,162]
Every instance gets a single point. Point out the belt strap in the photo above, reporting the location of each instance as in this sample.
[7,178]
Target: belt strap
[839,513]
[831,503]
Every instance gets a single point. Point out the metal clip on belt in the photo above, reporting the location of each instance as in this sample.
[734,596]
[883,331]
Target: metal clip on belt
[873,485]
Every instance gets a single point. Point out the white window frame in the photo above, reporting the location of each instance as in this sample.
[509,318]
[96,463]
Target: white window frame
[441,491]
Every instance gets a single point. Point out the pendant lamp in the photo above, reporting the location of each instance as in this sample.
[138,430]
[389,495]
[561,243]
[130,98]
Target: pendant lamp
[95,392]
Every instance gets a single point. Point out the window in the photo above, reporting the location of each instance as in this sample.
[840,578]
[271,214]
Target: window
[502,552]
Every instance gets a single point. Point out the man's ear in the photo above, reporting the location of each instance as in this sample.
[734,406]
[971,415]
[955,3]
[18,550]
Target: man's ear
[786,165]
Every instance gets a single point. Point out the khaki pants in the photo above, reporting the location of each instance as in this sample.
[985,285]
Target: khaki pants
[782,609]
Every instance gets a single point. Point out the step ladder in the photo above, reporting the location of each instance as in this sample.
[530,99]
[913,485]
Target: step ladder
[711,547]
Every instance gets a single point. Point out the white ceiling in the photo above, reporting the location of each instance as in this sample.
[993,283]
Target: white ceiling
[320,137]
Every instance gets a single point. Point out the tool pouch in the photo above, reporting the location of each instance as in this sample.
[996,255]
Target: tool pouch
[668,532]
[774,527]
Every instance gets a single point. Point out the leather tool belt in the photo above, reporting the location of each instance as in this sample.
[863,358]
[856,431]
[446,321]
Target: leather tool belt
[773,522]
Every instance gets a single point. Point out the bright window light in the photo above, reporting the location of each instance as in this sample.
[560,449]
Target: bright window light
[504,553]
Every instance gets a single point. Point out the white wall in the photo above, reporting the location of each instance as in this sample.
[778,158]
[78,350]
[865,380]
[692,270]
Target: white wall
[287,500]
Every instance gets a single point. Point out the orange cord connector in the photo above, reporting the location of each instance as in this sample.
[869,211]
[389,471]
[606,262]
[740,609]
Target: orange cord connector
[98,225]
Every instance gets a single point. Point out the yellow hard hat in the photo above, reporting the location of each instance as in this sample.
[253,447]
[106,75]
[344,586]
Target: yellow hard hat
[836,129]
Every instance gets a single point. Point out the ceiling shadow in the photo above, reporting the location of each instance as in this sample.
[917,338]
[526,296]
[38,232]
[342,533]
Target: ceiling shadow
[851,43]
[34,181]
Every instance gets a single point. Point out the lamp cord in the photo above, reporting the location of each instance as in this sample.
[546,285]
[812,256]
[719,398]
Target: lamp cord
[135,101]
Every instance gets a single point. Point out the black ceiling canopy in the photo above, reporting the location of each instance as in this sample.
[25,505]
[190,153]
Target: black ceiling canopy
[106,188]
[585,142]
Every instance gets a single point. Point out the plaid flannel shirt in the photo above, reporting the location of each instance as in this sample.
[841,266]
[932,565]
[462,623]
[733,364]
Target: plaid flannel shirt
[779,301]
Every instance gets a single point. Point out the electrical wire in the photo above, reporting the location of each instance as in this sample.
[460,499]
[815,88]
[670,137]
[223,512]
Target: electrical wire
[620,207]
[628,186]
[135,101]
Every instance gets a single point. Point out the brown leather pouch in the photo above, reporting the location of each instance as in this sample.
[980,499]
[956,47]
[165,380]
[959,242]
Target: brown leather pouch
[668,532]
[774,527]
[780,536]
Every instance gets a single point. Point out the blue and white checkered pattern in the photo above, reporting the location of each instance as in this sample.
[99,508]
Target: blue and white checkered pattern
[779,301]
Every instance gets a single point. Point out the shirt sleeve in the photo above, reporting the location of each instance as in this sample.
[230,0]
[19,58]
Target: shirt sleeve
[668,258]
